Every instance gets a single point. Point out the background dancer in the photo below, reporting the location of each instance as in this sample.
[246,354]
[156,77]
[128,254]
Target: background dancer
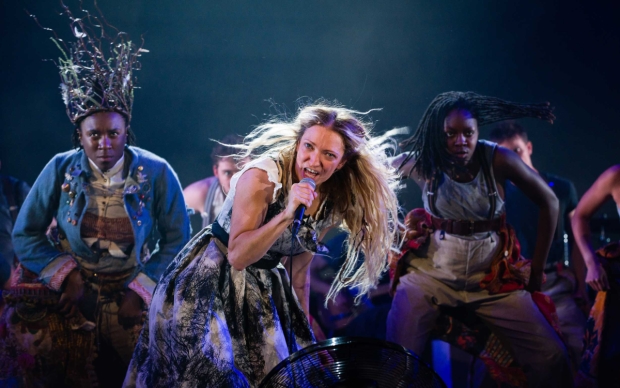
[121,219]
[602,340]
[470,263]
[207,195]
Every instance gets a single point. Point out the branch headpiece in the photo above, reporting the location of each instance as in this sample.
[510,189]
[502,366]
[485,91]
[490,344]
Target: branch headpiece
[96,70]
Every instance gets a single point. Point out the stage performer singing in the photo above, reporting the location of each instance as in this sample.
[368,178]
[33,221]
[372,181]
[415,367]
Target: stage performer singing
[223,313]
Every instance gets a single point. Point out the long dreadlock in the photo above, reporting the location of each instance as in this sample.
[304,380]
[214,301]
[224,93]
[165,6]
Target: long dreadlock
[428,143]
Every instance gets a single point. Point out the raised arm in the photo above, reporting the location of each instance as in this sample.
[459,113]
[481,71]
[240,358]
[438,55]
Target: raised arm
[606,187]
[508,166]
[248,240]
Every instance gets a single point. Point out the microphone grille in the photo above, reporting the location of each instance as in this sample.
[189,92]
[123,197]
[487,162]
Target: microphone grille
[309,181]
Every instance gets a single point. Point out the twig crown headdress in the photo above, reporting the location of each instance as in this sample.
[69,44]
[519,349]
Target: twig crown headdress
[96,70]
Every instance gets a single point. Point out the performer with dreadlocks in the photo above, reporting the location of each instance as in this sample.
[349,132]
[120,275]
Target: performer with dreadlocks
[467,256]
[223,314]
[121,220]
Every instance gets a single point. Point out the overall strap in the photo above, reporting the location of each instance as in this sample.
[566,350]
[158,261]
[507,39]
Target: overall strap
[431,192]
[489,179]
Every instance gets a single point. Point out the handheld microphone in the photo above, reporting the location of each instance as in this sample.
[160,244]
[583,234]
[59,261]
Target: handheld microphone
[299,213]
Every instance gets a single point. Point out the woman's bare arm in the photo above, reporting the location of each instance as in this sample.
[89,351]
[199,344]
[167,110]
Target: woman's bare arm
[406,170]
[196,194]
[509,166]
[606,187]
[248,240]
[301,279]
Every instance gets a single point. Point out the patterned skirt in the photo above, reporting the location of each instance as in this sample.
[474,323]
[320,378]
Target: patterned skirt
[601,353]
[210,325]
[41,348]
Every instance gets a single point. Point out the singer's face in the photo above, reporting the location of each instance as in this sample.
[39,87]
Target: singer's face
[319,153]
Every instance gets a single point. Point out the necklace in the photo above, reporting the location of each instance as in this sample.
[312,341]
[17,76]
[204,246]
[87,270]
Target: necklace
[462,174]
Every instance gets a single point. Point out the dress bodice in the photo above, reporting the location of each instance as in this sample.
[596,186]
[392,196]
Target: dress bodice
[310,230]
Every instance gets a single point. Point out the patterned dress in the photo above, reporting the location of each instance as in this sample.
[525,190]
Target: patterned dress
[210,325]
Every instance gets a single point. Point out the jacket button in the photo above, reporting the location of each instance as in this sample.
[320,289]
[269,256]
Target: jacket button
[139,222]
[140,168]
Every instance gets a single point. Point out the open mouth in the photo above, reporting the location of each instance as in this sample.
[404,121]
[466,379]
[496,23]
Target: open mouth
[310,173]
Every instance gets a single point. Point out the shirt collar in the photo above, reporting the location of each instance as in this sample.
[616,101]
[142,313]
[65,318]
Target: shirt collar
[115,170]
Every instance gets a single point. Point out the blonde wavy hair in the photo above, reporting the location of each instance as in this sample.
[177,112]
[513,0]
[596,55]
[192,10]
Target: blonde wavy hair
[363,191]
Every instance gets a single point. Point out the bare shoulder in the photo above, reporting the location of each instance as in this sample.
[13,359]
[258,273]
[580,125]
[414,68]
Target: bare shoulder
[255,184]
[398,160]
[198,186]
[606,187]
[506,163]
[196,193]
[253,194]
[610,180]
[404,163]
[503,155]
[612,174]
[501,163]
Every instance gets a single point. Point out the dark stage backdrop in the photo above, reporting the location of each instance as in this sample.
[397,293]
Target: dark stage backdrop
[216,66]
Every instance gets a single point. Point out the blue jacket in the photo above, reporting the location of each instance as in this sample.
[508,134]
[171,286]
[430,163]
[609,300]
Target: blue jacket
[153,200]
